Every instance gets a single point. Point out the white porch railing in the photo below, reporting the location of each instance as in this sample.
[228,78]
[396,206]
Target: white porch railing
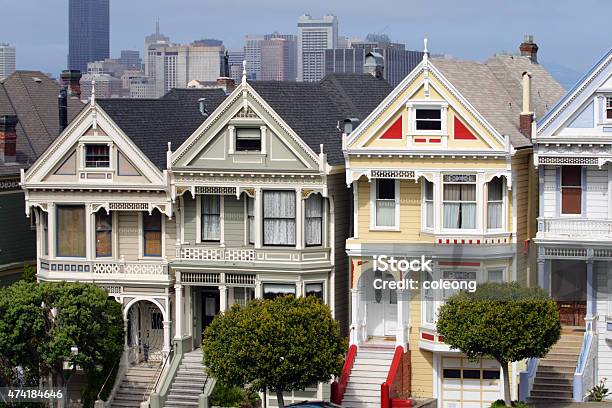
[187,252]
[574,228]
[585,376]
[104,269]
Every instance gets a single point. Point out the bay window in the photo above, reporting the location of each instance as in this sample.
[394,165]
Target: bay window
[152,234]
[314,220]
[428,201]
[211,218]
[459,201]
[279,218]
[104,232]
[314,289]
[386,198]
[44,228]
[274,290]
[71,237]
[495,202]
[571,190]
[609,108]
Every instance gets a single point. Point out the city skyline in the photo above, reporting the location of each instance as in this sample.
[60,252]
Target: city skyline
[460,33]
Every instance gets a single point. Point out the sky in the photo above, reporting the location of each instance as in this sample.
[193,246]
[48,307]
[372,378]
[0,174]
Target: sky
[571,34]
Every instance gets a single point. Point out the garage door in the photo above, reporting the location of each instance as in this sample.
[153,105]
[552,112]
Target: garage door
[467,384]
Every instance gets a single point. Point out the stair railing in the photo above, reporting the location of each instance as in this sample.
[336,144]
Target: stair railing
[152,386]
[98,397]
[393,387]
[526,379]
[163,367]
[339,387]
[584,376]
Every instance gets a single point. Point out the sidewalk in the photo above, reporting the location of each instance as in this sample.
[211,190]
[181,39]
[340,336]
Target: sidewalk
[572,405]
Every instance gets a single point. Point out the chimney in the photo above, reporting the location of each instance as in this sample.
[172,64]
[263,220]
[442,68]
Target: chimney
[529,49]
[526,116]
[374,65]
[72,79]
[202,105]
[350,124]
[62,103]
[8,138]
[227,84]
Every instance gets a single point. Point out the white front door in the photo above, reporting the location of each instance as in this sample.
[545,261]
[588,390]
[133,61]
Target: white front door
[381,310]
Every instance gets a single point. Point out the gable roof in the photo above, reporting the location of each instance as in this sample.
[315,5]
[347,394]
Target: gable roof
[494,88]
[152,123]
[32,96]
[313,109]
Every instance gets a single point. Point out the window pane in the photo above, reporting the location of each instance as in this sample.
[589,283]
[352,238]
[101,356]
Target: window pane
[468,192]
[428,190]
[71,231]
[495,276]
[313,208]
[97,156]
[279,218]
[451,215]
[315,289]
[495,189]
[251,218]
[571,200]
[494,215]
[571,176]
[385,213]
[428,113]
[152,234]
[104,228]
[211,218]
[248,139]
[273,290]
[429,214]
[385,189]
[428,125]
[468,216]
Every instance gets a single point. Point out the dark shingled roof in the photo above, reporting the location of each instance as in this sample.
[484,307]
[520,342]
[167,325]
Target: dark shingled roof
[32,96]
[152,123]
[313,109]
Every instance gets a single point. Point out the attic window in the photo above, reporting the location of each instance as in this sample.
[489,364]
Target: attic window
[609,107]
[97,155]
[248,140]
[428,119]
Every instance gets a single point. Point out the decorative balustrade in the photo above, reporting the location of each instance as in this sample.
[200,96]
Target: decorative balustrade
[583,228]
[106,269]
[585,376]
[187,252]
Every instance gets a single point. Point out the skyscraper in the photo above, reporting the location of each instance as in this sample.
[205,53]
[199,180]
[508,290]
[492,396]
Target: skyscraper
[131,59]
[234,62]
[88,32]
[278,58]
[152,42]
[252,54]
[7,60]
[314,37]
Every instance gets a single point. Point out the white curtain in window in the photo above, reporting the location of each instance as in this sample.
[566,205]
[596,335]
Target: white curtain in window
[468,215]
[429,214]
[211,225]
[451,215]
[494,207]
[251,218]
[314,219]
[385,213]
[279,218]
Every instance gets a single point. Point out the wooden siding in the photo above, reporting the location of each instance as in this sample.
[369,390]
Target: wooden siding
[128,235]
[341,198]
[170,236]
[550,191]
[421,360]
[233,219]
[189,216]
[524,191]
[597,192]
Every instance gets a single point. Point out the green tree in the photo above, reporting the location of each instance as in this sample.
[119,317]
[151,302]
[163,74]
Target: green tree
[278,345]
[29,273]
[41,323]
[504,321]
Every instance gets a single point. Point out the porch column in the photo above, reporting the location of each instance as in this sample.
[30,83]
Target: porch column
[167,337]
[223,298]
[51,220]
[178,288]
[541,272]
[258,217]
[354,335]
[591,307]
[89,233]
[299,219]
[258,294]
[402,318]
[125,330]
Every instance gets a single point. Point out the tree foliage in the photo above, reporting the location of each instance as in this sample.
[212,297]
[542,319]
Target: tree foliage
[40,323]
[504,321]
[280,345]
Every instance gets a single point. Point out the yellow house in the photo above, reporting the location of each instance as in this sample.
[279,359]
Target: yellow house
[442,175]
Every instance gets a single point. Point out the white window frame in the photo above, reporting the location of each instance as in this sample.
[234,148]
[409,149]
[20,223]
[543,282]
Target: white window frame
[607,105]
[198,217]
[323,221]
[477,223]
[298,218]
[417,105]
[141,255]
[582,188]
[503,205]
[87,235]
[373,194]
[311,281]
[95,236]
[424,202]
[111,155]
[502,268]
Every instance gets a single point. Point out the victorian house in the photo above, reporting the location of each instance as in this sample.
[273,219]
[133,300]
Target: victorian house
[262,201]
[442,168]
[573,155]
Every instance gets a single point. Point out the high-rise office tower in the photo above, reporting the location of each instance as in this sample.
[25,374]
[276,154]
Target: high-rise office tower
[155,40]
[234,62]
[279,58]
[314,37]
[8,56]
[252,55]
[130,59]
[88,32]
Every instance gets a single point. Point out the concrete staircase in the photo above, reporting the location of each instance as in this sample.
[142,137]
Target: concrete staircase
[370,370]
[188,383]
[554,378]
[135,385]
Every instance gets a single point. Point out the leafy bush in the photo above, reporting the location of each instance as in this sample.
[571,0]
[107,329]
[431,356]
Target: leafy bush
[227,396]
[599,392]
[516,404]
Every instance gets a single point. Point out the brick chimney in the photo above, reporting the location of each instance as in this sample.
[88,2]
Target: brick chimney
[529,49]
[8,138]
[227,84]
[526,116]
[72,79]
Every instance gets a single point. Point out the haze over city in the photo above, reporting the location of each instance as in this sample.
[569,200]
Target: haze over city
[473,29]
